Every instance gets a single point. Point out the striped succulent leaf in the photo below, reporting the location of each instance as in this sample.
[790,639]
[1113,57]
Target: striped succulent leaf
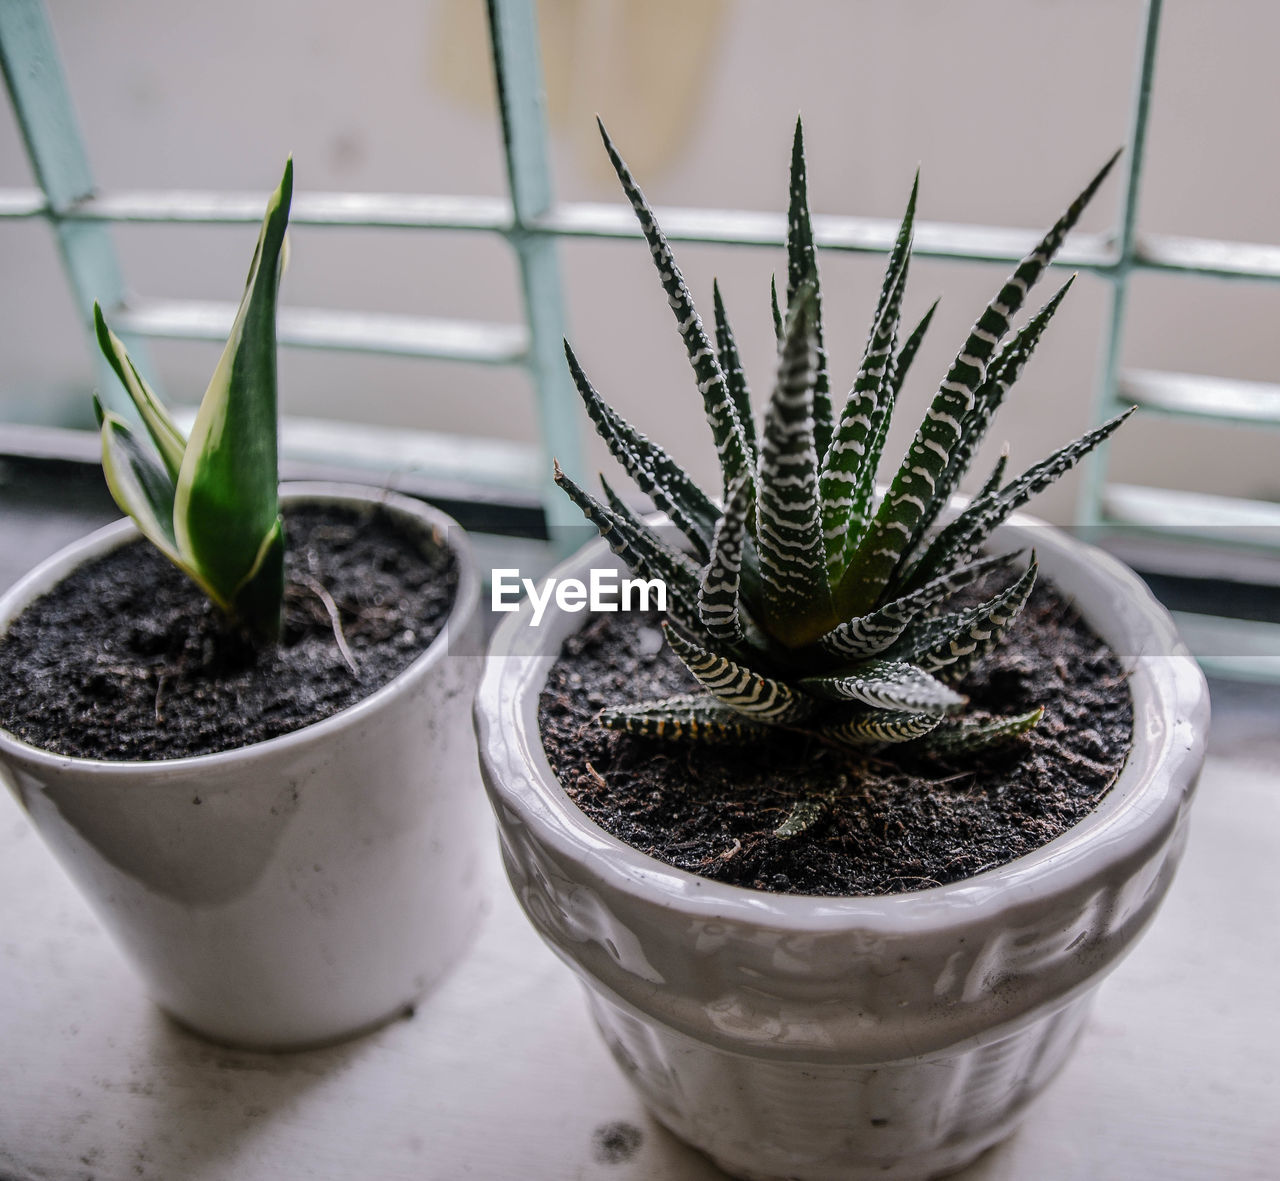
[914,488]
[690,716]
[959,540]
[963,736]
[888,684]
[802,267]
[656,474]
[735,375]
[882,728]
[869,635]
[1005,369]
[718,594]
[844,488]
[643,551]
[749,692]
[972,634]
[788,526]
[801,604]
[726,430]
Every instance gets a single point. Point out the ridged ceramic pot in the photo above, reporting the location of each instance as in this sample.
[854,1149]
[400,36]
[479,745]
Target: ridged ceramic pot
[297,890]
[834,1039]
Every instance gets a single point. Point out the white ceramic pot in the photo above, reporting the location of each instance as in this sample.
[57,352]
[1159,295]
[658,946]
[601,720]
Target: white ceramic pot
[830,1039]
[297,890]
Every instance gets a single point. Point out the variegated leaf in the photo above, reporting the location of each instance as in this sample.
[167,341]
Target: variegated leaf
[140,487]
[869,635]
[863,730]
[739,687]
[654,471]
[802,267]
[914,488]
[850,456]
[788,529]
[226,503]
[170,443]
[718,592]
[961,737]
[888,684]
[692,716]
[726,430]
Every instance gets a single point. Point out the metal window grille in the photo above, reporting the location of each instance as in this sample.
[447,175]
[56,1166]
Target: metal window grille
[532,222]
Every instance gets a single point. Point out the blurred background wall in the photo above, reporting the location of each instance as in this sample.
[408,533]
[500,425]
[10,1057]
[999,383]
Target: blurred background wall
[1008,106]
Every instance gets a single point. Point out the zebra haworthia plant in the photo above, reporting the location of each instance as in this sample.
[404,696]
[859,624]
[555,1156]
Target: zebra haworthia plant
[807,601]
[209,502]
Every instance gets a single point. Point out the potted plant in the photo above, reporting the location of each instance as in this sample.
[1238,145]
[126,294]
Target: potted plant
[801,1031]
[265,791]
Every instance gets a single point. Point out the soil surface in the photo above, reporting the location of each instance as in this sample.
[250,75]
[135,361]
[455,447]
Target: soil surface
[890,822]
[126,658]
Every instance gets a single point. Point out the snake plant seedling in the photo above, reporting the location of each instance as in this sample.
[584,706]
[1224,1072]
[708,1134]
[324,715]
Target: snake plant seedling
[808,601]
[208,502]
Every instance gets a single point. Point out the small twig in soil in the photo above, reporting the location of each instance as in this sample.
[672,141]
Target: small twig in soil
[332,608]
[159,690]
[597,778]
[732,851]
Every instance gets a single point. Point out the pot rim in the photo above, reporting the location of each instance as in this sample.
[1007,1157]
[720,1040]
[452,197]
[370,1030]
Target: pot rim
[59,565]
[1136,815]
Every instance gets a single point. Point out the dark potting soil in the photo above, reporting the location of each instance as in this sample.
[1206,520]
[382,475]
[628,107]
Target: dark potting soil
[890,822]
[126,658]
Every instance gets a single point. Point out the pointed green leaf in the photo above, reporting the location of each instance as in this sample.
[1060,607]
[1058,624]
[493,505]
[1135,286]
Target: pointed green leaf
[693,716]
[802,267]
[168,440]
[777,311]
[788,528]
[914,489]
[961,737]
[726,430]
[654,471]
[226,504]
[737,686]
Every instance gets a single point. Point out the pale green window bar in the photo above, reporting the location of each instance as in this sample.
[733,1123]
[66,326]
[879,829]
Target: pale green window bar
[512,478]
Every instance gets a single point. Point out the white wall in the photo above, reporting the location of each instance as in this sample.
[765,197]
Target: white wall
[1008,105]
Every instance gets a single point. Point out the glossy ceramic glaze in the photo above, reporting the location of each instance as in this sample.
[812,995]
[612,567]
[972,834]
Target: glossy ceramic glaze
[832,1039]
[297,890]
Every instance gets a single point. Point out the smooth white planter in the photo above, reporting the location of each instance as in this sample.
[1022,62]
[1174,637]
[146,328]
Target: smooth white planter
[833,1039]
[297,890]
